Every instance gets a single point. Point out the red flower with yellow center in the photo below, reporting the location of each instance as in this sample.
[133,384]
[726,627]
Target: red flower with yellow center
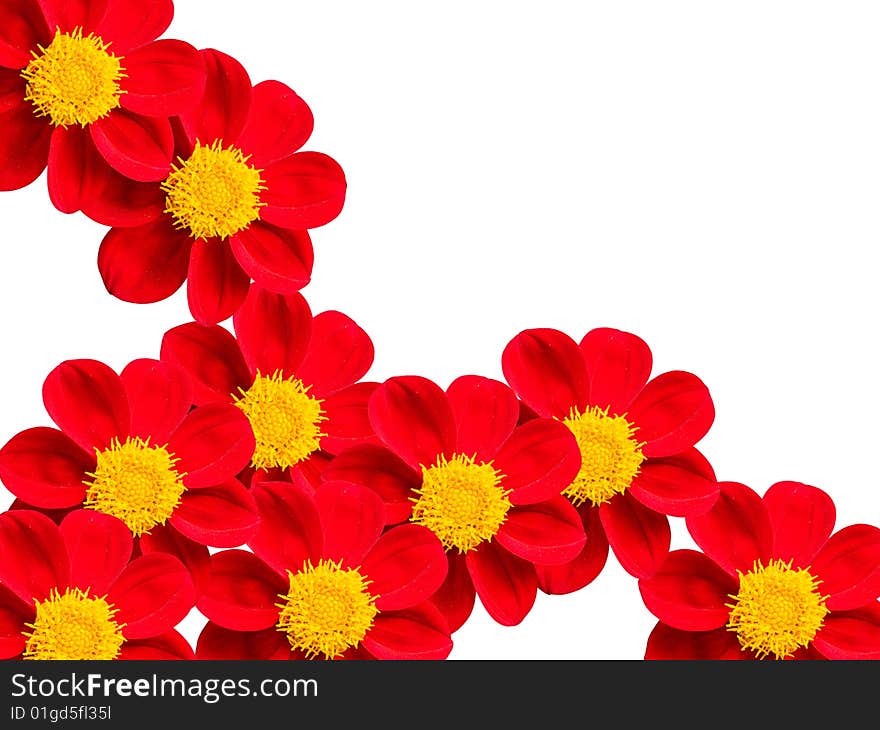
[457,463]
[324,582]
[772,582]
[237,203]
[293,375]
[88,90]
[70,592]
[636,439]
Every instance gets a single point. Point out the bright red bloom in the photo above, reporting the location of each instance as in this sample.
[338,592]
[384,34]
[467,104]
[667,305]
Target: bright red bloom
[772,581]
[237,203]
[88,90]
[293,375]
[458,463]
[130,446]
[70,592]
[636,439]
[323,581]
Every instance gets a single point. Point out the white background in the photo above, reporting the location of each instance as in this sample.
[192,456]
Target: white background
[704,174]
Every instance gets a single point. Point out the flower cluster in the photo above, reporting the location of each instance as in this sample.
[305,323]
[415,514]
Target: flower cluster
[250,473]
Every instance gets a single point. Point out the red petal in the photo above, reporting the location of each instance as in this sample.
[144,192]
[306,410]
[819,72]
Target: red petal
[214,443]
[382,471]
[153,594]
[242,592]
[159,396]
[129,24]
[273,331]
[112,199]
[668,643]
[507,585]
[486,412]
[278,125]
[455,598]
[851,634]
[546,369]
[275,258]
[69,14]
[583,569]
[340,353]
[689,592]
[45,468]
[24,146]
[348,423]
[144,264]
[223,110]
[305,190]
[216,284]
[538,461]
[736,531]
[290,527]
[211,358]
[419,632]
[672,413]
[618,364]
[22,29]
[547,533]
[638,536]
[98,546]
[406,566]
[88,402]
[13,616]
[679,485]
[35,557]
[136,146]
[70,161]
[165,539]
[352,518]
[167,646]
[163,78]
[215,642]
[221,516]
[849,567]
[802,518]
[413,417]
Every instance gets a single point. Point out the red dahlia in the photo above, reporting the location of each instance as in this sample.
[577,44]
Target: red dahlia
[293,375]
[87,89]
[636,441]
[457,463]
[771,582]
[324,582]
[70,592]
[236,204]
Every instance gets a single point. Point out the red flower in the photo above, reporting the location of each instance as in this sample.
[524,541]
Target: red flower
[88,90]
[237,203]
[458,463]
[70,592]
[772,581]
[324,582]
[130,447]
[636,439]
[294,376]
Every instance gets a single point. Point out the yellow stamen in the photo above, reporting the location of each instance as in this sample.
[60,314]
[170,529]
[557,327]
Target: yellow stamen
[778,609]
[327,610]
[135,482]
[75,80]
[610,455]
[285,419]
[73,625]
[215,192]
[461,501]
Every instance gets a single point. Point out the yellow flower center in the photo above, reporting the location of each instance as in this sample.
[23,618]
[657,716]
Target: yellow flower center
[136,483]
[73,625]
[285,419]
[778,609]
[610,455]
[215,192]
[75,80]
[461,501]
[327,610]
